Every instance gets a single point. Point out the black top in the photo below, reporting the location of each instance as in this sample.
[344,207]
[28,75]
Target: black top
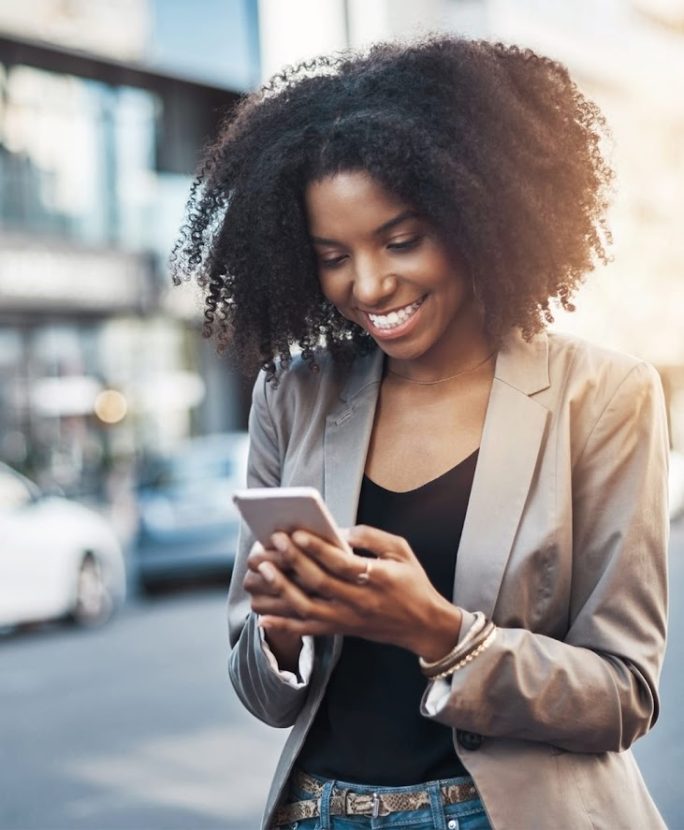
[369,729]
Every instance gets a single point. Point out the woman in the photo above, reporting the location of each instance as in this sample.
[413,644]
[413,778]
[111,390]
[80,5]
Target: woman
[491,651]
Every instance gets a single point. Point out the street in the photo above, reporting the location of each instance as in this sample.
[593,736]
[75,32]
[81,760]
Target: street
[135,726]
[661,753]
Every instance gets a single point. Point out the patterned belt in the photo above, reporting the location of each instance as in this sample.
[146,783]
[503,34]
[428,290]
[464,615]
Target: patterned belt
[349,803]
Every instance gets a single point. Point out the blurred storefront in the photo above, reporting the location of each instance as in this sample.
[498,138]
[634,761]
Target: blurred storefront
[102,118]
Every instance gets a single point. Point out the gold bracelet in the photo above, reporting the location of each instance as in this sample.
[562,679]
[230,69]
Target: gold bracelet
[447,662]
[484,645]
[471,639]
[479,624]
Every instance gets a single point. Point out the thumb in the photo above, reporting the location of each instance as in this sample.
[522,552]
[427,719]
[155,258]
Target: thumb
[380,543]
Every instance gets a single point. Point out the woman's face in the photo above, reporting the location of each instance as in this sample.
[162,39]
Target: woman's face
[386,268]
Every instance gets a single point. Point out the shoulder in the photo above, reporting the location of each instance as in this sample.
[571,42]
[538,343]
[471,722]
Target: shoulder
[584,367]
[303,377]
[302,389]
[585,356]
[602,390]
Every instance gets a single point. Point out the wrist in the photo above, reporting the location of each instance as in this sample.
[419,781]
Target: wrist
[286,648]
[440,635]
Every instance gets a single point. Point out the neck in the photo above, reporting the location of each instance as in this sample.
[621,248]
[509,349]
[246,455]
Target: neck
[470,370]
[459,351]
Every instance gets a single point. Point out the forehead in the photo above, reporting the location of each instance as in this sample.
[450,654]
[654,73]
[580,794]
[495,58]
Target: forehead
[349,202]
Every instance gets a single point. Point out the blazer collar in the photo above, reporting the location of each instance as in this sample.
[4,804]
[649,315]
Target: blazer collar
[523,365]
[364,371]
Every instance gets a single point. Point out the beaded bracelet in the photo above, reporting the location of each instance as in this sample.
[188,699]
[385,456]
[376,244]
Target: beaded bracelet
[478,625]
[483,646]
[458,656]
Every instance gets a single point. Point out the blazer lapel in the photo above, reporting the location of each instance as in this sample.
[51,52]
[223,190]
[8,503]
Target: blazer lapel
[347,435]
[513,430]
[345,447]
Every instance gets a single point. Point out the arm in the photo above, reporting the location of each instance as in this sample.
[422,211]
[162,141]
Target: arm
[596,690]
[265,692]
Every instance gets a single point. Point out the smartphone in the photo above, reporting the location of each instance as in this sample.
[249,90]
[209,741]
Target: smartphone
[270,509]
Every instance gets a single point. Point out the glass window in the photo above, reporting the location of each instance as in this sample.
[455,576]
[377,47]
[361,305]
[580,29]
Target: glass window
[220,45]
[76,158]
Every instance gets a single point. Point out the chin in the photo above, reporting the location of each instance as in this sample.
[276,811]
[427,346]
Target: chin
[401,351]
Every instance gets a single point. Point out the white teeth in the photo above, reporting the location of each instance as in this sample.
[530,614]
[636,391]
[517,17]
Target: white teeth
[395,318]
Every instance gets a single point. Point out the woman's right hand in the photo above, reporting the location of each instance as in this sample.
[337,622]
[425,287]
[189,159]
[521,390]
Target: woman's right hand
[264,570]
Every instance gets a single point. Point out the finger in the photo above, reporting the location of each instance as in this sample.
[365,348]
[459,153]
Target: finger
[254,583]
[309,573]
[266,555]
[299,627]
[293,597]
[384,545]
[275,605]
[333,560]
[256,554]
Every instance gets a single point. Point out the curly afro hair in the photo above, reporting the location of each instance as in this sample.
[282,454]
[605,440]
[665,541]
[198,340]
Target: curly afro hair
[494,144]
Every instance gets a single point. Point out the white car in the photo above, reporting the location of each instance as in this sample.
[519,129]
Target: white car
[58,559]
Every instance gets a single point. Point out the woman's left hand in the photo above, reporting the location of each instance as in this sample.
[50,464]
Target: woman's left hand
[388,599]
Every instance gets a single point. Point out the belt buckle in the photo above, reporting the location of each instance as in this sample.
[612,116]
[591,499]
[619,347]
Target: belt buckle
[364,804]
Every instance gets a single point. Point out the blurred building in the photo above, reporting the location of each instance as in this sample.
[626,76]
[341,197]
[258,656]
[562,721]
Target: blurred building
[104,107]
[628,56]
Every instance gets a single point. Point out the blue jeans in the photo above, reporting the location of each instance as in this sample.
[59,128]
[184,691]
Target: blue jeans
[466,815]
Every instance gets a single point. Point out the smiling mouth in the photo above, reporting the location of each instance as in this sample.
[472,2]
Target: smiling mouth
[396,318]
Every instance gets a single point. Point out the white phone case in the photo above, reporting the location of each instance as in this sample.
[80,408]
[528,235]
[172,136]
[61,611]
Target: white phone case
[270,509]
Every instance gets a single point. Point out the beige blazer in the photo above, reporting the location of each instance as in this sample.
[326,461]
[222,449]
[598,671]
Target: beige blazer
[564,546]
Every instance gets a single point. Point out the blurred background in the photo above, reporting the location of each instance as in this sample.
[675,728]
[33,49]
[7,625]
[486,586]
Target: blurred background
[122,434]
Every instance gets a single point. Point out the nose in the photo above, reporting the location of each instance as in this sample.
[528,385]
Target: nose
[373,284]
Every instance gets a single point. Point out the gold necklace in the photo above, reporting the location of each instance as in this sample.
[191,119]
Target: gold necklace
[443,380]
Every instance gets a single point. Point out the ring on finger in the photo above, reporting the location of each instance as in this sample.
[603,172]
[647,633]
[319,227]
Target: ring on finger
[364,577]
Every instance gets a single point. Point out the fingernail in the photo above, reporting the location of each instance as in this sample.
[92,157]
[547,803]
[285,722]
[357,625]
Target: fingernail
[279,542]
[267,571]
[301,539]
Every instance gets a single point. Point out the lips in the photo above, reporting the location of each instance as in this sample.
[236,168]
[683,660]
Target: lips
[395,323]
[395,318]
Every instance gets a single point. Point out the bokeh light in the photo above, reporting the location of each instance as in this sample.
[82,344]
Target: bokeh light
[110,406]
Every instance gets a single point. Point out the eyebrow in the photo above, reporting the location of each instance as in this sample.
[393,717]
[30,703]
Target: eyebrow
[386,226]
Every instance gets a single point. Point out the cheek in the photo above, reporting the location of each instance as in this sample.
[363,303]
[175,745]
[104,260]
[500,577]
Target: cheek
[453,281]
[446,269]
[332,289]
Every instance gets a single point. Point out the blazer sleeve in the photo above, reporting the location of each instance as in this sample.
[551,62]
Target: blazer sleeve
[262,690]
[596,690]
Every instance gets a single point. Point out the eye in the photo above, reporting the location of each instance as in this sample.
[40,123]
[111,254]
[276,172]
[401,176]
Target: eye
[405,244]
[332,262]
